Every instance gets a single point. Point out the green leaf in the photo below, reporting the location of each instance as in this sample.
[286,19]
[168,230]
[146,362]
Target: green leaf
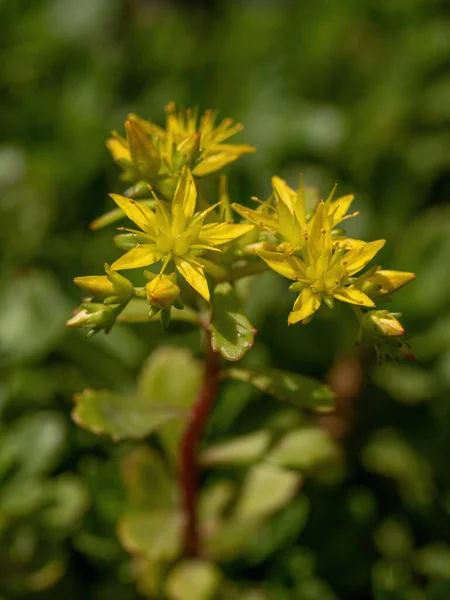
[266,489]
[231,538]
[33,444]
[389,455]
[133,417]
[240,451]
[156,534]
[171,376]
[433,560]
[68,499]
[305,449]
[299,390]
[32,314]
[232,334]
[146,479]
[193,580]
[214,500]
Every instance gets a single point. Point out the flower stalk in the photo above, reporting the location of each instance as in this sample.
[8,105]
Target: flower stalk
[189,469]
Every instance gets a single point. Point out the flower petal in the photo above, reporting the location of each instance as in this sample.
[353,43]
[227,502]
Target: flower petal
[338,209]
[118,147]
[353,296]
[357,259]
[290,267]
[283,193]
[306,304]
[141,256]
[183,205]
[221,233]
[138,212]
[192,271]
[320,243]
[258,217]
[214,162]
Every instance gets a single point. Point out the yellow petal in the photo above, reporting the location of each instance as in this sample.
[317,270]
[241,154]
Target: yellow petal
[320,242]
[118,147]
[289,227]
[338,209]
[306,304]
[138,212]
[96,285]
[183,205]
[162,218]
[221,233]
[283,193]
[150,128]
[141,256]
[348,243]
[290,267]
[258,217]
[357,259]
[192,271]
[214,162]
[353,296]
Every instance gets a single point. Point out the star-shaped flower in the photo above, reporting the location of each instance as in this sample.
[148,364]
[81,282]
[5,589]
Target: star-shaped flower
[287,218]
[176,234]
[322,271]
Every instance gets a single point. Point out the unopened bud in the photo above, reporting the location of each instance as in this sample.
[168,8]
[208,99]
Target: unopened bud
[95,317]
[162,291]
[113,287]
[383,322]
[382,282]
[143,154]
[189,149]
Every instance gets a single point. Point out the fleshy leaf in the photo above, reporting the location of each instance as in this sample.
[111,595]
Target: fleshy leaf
[146,479]
[232,334]
[121,417]
[171,376]
[239,451]
[299,390]
[266,489]
[193,580]
[304,449]
[156,534]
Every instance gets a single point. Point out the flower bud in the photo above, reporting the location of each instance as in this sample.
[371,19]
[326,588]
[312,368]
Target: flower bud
[189,148]
[380,282]
[143,154]
[113,288]
[383,322]
[95,316]
[162,291]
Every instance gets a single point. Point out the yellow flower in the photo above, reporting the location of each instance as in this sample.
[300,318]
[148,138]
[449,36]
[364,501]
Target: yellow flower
[324,272]
[176,234]
[288,216]
[154,154]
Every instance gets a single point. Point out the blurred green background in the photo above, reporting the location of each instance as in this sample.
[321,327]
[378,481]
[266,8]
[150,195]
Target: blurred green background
[354,91]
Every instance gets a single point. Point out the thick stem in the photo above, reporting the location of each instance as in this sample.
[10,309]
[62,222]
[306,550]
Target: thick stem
[198,419]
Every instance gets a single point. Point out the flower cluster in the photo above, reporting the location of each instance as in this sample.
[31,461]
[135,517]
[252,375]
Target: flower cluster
[153,155]
[182,238]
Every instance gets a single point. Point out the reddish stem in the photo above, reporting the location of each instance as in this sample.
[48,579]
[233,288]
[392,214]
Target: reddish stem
[198,418]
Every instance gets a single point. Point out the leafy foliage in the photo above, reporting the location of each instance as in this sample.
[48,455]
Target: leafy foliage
[364,102]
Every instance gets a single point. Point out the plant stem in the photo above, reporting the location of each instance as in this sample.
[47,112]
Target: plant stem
[198,419]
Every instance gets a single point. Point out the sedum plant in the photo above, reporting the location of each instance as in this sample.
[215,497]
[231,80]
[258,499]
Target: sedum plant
[185,255]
